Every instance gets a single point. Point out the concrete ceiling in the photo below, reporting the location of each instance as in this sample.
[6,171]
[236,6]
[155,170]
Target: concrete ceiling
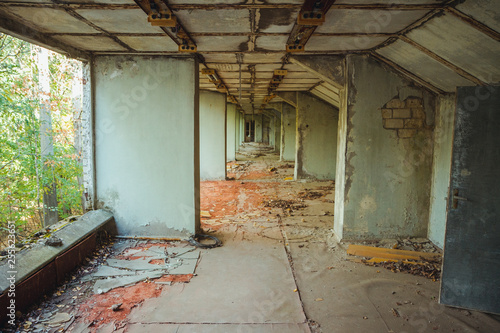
[438,44]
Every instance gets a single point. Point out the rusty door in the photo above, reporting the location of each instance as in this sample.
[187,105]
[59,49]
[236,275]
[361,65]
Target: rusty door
[471,267]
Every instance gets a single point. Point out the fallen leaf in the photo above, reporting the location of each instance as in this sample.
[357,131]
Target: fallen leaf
[319,299]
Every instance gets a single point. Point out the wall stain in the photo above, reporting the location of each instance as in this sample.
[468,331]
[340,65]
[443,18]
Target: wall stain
[276,17]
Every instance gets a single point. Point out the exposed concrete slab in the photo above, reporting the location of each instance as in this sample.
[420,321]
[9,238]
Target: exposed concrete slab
[223,20]
[37,256]
[217,328]
[120,20]
[150,43]
[446,35]
[212,136]
[424,66]
[342,43]
[328,68]
[91,43]
[261,267]
[53,20]
[316,138]
[366,21]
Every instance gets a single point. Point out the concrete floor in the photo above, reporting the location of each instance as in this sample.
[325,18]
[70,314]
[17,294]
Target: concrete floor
[280,270]
[283,272]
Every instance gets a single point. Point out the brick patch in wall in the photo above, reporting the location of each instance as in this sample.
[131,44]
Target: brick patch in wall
[405,117]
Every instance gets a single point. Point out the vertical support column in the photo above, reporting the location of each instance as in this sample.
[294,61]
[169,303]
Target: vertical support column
[441,165]
[147,143]
[212,136]
[259,124]
[288,131]
[231,132]
[384,192]
[87,137]
[237,141]
[316,138]
[277,133]
[271,131]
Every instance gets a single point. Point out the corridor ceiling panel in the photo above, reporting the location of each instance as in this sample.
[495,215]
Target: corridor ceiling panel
[438,44]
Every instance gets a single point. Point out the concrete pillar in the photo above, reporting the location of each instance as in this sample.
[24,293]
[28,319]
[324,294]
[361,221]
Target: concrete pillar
[147,143]
[237,134]
[277,133]
[259,125]
[383,179]
[87,138]
[441,166]
[212,135]
[271,131]
[266,129]
[242,128]
[316,138]
[231,132]
[288,131]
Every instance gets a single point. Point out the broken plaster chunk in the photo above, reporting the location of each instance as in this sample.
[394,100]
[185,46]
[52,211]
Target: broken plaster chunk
[59,318]
[136,265]
[103,286]
[54,241]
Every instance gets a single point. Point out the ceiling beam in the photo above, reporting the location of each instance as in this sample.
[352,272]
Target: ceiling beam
[224,34]
[312,10]
[443,61]
[89,23]
[476,24]
[18,28]
[90,5]
[178,34]
[408,74]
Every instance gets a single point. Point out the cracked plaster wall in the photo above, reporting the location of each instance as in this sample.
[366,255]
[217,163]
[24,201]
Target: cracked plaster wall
[387,178]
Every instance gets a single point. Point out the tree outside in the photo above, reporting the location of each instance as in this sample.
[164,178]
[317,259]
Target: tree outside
[37,107]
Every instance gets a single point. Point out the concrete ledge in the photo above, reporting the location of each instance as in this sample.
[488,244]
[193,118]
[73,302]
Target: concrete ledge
[41,268]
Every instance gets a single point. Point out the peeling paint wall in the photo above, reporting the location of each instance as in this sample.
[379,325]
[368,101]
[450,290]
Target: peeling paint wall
[388,179]
[338,219]
[147,143]
[87,139]
[316,138]
[212,135]
[443,144]
[231,132]
[288,130]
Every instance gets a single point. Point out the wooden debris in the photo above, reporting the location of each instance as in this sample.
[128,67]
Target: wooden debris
[378,252]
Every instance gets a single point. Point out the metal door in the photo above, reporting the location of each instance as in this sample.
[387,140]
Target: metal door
[471,267]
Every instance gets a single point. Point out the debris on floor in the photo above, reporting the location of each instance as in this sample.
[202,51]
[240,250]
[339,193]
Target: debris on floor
[310,195]
[377,252]
[103,291]
[413,262]
[287,206]
[145,264]
[430,270]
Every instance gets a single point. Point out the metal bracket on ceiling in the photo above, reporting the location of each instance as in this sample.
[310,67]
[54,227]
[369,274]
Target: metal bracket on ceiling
[159,14]
[215,79]
[311,16]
